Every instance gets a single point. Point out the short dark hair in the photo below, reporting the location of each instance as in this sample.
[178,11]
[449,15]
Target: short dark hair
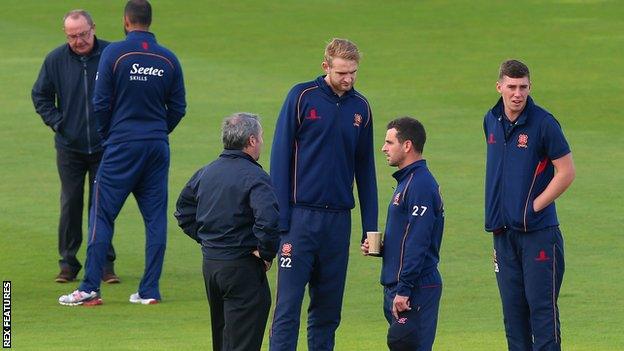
[513,69]
[409,128]
[139,12]
[238,128]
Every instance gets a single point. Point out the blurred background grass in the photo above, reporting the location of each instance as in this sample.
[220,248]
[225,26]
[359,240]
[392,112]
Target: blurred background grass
[434,60]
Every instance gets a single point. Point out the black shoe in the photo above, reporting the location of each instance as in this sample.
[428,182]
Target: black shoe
[110,278]
[66,275]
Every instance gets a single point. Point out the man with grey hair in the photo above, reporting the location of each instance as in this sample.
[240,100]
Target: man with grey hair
[230,208]
[62,95]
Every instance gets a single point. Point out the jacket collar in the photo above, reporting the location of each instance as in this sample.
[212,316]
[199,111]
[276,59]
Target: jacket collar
[403,172]
[499,110]
[140,35]
[229,153]
[328,90]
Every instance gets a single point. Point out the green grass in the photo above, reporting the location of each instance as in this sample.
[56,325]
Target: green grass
[435,60]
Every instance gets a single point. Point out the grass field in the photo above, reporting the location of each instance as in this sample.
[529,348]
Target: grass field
[435,60]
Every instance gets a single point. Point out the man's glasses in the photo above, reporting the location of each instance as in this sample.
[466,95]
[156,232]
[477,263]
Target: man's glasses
[81,35]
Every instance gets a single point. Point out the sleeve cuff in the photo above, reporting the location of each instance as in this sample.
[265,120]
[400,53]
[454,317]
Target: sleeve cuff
[283,225]
[266,255]
[403,289]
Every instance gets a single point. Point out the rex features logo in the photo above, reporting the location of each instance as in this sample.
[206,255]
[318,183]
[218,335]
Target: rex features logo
[141,73]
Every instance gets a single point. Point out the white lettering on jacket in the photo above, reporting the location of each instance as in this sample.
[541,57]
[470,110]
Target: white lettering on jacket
[148,71]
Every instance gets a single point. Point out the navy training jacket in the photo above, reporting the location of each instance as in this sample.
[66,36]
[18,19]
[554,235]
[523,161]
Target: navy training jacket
[414,228]
[321,142]
[139,90]
[62,96]
[519,167]
[229,206]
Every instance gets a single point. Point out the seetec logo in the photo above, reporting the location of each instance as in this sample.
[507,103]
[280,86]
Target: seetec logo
[142,73]
[6,314]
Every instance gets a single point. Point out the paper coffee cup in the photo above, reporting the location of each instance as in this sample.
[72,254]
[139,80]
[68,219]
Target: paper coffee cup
[374,243]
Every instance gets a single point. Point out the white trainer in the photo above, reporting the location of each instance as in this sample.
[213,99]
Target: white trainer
[136,298]
[78,298]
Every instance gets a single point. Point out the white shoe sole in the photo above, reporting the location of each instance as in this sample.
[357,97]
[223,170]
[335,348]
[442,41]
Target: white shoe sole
[143,301]
[93,302]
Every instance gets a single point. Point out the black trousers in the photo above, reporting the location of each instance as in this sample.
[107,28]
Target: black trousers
[240,299]
[72,168]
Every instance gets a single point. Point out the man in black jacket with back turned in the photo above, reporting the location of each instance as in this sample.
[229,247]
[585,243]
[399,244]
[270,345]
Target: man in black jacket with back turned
[62,96]
[230,208]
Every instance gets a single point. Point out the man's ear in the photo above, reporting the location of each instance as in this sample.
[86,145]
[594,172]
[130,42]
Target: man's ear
[252,140]
[325,66]
[407,146]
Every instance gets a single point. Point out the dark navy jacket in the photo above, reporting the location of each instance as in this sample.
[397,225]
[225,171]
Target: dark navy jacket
[62,96]
[229,206]
[519,167]
[321,141]
[139,90]
[414,229]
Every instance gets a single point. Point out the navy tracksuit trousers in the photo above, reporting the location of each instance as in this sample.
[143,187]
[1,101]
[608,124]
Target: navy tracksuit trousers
[529,270]
[139,167]
[415,329]
[315,252]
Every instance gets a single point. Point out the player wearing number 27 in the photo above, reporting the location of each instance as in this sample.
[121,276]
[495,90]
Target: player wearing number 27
[529,165]
[411,248]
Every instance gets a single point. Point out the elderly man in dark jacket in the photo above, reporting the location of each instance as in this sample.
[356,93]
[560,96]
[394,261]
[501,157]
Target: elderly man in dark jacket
[62,96]
[230,208]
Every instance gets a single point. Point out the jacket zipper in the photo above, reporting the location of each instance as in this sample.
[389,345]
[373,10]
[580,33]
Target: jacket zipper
[86,90]
[502,185]
[337,129]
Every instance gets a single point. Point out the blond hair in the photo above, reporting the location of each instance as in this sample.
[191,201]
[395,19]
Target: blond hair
[341,48]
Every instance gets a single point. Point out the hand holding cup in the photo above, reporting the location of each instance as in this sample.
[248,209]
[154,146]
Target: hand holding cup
[372,244]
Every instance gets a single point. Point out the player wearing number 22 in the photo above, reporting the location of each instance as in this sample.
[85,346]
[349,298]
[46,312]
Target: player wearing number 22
[323,140]
[411,248]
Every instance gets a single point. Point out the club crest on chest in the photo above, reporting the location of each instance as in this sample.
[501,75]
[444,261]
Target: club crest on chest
[523,141]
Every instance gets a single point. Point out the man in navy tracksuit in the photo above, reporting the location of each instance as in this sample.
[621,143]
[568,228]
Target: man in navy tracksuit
[323,137]
[62,96]
[138,100]
[230,208]
[411,247]
[529,165]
